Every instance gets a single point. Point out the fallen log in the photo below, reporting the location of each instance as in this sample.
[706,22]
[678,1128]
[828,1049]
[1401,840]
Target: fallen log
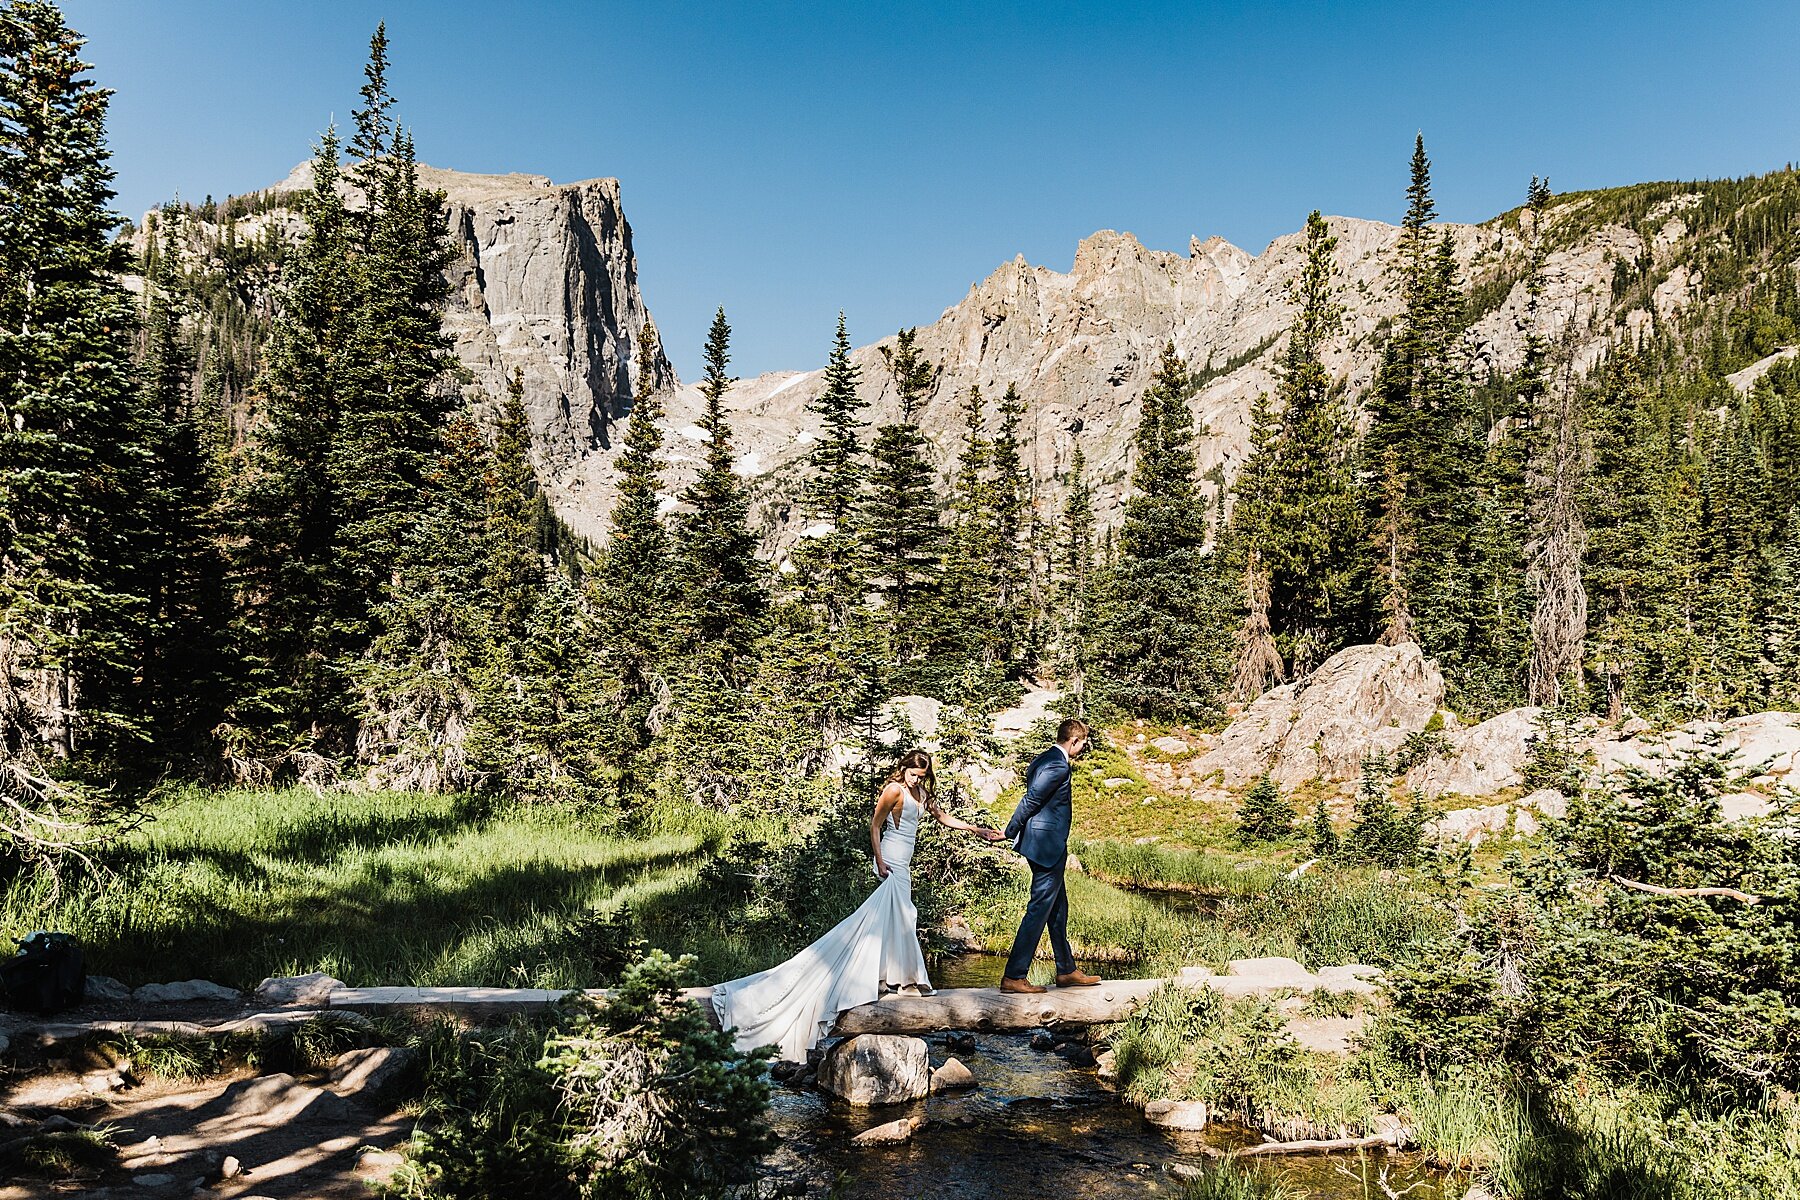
[1390,1139]
[1655,890]
[991,1010]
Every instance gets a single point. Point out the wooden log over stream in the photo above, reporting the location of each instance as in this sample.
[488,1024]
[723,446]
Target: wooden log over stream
[990,1010]
[981,1010]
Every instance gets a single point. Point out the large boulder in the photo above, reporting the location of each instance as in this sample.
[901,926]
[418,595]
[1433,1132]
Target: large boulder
[877,1068]
[186,992]
[1483,758]
[297,991]
[1362,699]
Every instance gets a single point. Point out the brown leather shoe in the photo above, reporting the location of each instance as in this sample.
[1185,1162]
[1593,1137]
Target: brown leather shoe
[1077,979]
[1022,987]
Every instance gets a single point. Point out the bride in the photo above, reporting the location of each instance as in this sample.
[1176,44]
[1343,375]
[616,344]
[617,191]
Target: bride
[873,949]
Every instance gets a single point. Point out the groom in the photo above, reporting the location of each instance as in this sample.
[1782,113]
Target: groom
[1039,829]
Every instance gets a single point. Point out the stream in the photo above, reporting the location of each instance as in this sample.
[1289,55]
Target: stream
[1036,1127]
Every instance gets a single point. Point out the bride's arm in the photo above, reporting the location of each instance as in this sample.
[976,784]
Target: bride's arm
[890,796]
[955,822]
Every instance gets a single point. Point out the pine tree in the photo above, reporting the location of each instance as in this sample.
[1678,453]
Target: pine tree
[902,539]
[1011,566]
[633,589]
[283,512]
[1420,412]
[73,451]
[830,558]
[1162,644]
[1781,628]
[961,636]
[721,580]
[1325,841]
[514,579]
[1265,815]
[1309,511]
[397,393]
[182,672]
[1074,573]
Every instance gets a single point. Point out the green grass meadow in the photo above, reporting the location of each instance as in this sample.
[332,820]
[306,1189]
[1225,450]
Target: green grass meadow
[374,888]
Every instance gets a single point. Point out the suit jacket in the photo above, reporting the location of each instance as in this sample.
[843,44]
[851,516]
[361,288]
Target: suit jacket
[1039,828]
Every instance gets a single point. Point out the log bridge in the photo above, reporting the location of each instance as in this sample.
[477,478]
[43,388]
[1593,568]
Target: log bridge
[978,1010]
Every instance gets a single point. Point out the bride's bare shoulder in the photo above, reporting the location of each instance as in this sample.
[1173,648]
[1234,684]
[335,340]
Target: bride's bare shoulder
[890,791]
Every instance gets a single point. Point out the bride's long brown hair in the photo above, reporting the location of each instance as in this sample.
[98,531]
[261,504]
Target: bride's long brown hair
[908,761]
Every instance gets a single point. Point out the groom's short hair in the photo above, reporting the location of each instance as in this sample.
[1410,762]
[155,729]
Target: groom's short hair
[1069,730]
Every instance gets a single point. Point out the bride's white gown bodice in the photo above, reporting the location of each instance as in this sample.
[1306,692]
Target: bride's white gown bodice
[795,1004]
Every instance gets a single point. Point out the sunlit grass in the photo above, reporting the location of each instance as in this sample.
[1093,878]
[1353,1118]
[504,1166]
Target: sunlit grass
[372,888]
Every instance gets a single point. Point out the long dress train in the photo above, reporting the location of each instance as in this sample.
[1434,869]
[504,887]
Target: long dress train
[795,1004]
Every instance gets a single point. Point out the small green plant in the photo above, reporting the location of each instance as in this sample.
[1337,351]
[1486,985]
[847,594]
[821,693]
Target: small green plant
[1381,833]
[1325,1003]
[636,1099]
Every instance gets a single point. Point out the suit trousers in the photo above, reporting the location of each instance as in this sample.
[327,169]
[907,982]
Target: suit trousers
[1049,906]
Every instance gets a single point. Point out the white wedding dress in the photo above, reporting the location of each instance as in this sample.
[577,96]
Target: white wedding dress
[795,1004]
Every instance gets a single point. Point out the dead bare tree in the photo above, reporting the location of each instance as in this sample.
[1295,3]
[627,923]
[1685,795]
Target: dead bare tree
[1258,662]
[1558,540]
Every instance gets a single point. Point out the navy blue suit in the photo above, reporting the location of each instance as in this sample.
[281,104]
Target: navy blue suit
[1039,829]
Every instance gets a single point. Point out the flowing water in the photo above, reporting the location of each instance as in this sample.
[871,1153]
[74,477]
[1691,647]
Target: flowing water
[1036,1127]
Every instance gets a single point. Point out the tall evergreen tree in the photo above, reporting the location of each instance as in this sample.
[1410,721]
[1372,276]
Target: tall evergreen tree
[1309,514]
[397,374]
[282,509]
[901,535]
[962,637]
[1420,412]
[514,580]
[721,580]
[1010,508]
[830,558]
[1074,573]
[1162,644]
[182,671]
[633,589]
[72,439]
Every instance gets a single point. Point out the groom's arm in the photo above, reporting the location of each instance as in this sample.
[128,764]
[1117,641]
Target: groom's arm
[1038,792]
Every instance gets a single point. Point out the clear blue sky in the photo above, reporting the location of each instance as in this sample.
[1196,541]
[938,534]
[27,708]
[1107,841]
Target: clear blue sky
[788,160]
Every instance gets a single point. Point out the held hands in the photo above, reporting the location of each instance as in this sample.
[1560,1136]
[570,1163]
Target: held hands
[989,835]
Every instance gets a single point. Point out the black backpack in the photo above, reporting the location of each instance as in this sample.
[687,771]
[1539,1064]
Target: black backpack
[46,974]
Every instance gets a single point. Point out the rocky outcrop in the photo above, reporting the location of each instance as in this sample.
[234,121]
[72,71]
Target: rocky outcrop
[1081,345]
[543,281]
[1767,744]
[1483,758]
[1362,699]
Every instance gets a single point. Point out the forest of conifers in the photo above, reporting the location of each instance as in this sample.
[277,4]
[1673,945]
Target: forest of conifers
[252,531]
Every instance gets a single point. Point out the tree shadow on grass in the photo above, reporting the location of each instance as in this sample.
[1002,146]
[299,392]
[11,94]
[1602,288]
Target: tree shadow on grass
[1561,1159]
[384,923]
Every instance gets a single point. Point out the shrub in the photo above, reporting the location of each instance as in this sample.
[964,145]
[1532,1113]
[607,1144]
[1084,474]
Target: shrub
[636,1099]
[1265,815]
[1381,835]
